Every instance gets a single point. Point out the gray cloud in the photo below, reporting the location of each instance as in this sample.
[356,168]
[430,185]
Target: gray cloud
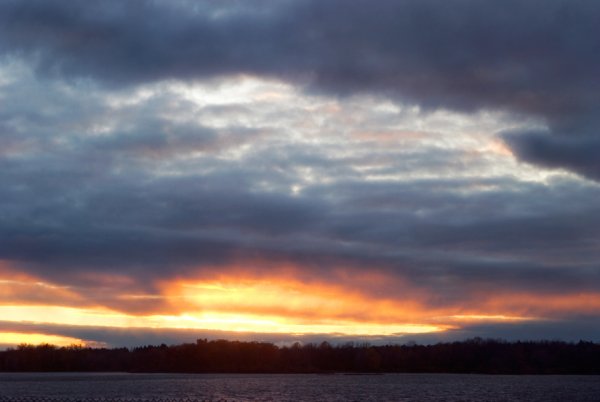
[537,58]
[75,202]
[572,329]
[577,153]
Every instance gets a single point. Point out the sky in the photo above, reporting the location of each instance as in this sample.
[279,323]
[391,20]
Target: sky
[299,170]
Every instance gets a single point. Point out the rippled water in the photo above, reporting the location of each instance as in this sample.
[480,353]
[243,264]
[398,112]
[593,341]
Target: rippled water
[296,387]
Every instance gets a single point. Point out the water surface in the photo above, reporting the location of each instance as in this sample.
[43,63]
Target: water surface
[295,387]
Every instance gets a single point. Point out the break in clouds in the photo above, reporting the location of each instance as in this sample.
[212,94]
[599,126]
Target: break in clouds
[453,145]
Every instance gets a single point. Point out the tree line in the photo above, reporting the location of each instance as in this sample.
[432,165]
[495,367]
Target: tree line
[222,356]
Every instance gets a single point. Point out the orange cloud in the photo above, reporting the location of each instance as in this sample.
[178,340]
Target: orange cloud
[544,305]
[290,299]
[17,287]
[33,291]
[265,297]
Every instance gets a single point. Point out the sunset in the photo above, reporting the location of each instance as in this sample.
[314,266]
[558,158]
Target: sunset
[298,171]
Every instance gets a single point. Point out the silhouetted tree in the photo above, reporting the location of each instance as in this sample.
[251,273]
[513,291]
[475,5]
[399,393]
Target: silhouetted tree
[471,356]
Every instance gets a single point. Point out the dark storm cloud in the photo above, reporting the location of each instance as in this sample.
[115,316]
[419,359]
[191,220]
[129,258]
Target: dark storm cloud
[576,153]
[537,57]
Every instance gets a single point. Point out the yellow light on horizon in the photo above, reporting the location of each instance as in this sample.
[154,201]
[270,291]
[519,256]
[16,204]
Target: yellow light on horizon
[18,338]
[243,301]
[281,325]
[212,321]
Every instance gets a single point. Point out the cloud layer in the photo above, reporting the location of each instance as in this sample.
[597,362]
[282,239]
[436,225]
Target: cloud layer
[537,58]
[147,143]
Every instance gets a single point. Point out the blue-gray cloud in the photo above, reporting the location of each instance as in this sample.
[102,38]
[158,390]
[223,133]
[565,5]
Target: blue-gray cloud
[536,57]
[153,197]
[577,153]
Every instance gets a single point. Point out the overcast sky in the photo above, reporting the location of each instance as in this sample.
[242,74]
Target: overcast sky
[282,170]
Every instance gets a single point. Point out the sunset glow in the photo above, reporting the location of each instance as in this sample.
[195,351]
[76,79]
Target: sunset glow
[18,338]
[247,304]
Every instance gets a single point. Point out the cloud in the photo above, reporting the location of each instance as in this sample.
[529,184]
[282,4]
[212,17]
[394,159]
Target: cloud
[577,153]
[146,182]
[570,330]
[535,58]
[328,136]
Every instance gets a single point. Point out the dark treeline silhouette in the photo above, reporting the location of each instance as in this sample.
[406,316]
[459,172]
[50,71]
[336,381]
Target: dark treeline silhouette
[471,356]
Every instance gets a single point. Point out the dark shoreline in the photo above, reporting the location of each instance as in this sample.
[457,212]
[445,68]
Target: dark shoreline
[474,356]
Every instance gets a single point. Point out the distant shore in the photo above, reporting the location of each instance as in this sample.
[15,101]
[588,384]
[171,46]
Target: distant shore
[482,356]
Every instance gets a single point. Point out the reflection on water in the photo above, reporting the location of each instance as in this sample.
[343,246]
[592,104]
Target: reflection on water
[294,387]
